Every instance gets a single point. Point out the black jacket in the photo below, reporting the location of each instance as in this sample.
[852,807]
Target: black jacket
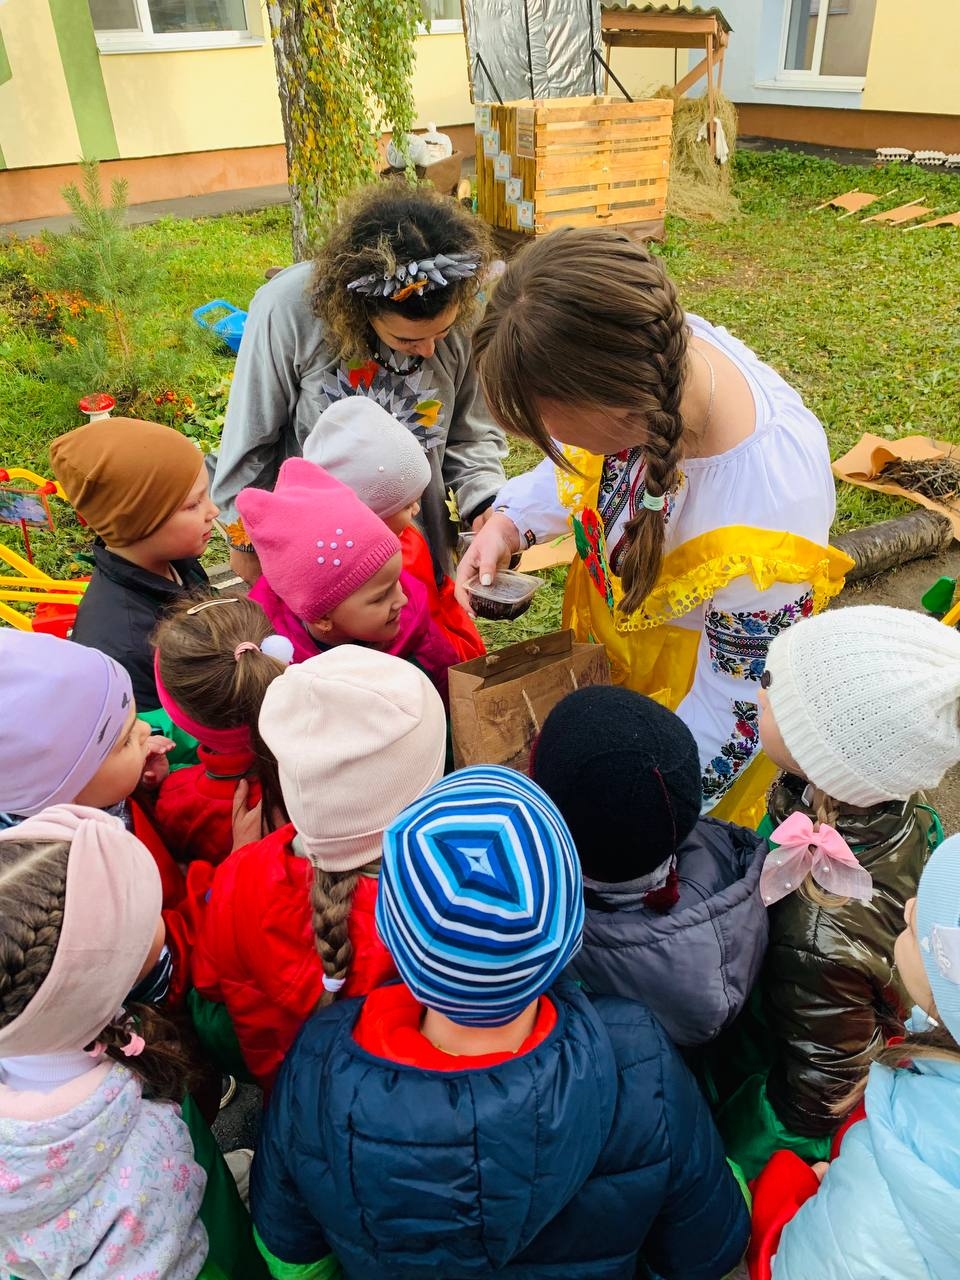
[120,609]
[832,996]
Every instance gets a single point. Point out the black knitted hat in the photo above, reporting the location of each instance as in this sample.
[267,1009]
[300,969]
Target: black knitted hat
[625,774]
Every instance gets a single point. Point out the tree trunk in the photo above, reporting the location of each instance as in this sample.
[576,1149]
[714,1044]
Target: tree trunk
[289,25]
[344,69]
[878,547]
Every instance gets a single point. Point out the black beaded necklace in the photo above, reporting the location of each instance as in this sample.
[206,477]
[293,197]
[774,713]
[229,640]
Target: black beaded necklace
[410,365]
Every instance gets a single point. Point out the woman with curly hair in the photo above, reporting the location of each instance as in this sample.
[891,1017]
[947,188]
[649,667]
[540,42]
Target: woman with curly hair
[384,310]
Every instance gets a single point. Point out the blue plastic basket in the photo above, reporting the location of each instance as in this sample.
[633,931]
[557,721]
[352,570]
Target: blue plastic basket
[228,328]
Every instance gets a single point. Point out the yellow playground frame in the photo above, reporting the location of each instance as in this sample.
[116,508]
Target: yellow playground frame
[28,584]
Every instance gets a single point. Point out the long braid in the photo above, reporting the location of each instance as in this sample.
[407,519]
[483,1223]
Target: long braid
[826,812]
[331,896]
[588,317]
[33,884]
[33,889]
[659,404]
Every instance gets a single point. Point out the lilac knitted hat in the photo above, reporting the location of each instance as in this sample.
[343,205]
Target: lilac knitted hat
[316,540]
[64,706]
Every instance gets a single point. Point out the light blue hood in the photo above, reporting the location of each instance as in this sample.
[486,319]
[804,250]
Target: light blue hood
[889,1205]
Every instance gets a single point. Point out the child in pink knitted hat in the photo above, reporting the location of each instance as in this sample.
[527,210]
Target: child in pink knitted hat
[332,573]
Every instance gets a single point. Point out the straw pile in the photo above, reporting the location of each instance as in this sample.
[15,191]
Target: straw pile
[700,189]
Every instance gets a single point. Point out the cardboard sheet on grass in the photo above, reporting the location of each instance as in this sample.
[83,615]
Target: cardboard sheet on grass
[498,703]
[864,463]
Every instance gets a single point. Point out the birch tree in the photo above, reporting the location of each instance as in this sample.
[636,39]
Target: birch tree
[344,72]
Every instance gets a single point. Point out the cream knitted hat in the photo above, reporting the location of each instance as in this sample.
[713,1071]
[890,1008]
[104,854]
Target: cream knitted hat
[865,699]
[358,735]
[368,449]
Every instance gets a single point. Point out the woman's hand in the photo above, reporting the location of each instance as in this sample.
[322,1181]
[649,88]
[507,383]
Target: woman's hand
[246,565]
[491,549]
[482,519]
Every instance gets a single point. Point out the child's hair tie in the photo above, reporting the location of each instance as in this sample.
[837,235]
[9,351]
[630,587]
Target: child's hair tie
[209,604]
[822,853]
[278,647]
[333,984]
[653,501]
[134,1046]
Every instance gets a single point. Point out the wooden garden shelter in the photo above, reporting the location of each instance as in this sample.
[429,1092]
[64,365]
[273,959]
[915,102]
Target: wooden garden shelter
[652,26]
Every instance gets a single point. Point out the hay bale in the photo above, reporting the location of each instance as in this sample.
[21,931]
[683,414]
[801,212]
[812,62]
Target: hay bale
[700,190]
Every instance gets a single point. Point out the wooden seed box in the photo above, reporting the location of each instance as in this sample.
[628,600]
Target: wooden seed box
[573,162]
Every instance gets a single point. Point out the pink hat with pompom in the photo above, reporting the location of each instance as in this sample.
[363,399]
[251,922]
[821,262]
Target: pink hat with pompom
[316,540]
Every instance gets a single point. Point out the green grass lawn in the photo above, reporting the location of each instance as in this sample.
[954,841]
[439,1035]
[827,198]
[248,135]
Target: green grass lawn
[861,319]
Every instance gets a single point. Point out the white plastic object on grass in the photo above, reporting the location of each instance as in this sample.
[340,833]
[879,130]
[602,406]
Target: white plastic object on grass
[894,153]
[438,144]
[722,147]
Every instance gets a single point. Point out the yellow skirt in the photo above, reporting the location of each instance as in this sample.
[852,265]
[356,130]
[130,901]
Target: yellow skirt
[651,653]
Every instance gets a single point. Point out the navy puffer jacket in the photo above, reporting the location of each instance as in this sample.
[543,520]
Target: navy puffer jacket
[694,965]
[572,1161]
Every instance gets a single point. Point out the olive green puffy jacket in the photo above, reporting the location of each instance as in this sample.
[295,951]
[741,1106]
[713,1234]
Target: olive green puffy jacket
[831,996]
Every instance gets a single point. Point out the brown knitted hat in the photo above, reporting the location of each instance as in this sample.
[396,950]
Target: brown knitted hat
[124,476]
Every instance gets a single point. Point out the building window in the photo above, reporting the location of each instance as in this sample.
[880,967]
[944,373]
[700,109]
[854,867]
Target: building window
[827,39]
[444,17]
[124,26]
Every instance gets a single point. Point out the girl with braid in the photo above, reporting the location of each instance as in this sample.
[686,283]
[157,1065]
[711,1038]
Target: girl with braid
[99,1173]
[698,483]
[357,735]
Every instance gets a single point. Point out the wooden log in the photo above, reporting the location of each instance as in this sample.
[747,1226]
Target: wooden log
[878,547]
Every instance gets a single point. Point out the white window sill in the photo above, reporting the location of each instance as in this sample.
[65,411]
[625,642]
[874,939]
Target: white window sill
[442,27]
[134,43]
[821,84]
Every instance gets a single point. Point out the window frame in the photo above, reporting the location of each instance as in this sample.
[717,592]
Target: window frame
[789,78]
[146,41]
[442,27]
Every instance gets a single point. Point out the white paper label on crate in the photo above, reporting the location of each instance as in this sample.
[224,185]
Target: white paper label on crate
[514,193]
[525,132]
[491,142]
[482,119]
[502,166]
[525,214]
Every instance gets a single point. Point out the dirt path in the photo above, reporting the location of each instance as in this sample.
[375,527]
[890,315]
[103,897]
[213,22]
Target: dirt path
[903,588]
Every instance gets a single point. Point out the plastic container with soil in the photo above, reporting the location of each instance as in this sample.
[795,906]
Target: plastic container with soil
[507,597]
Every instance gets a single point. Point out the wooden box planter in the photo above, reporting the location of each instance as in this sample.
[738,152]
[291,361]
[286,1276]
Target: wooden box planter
[573,162]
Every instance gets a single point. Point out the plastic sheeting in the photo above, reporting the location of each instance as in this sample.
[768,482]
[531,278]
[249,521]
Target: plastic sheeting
[516,51]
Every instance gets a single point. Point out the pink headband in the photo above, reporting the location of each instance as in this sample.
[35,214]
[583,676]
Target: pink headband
[227,741]
[110,915]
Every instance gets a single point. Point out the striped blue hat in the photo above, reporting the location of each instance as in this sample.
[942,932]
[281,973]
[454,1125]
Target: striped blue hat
[480,901]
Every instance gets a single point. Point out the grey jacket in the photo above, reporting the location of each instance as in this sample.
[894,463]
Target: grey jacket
[693,966]
[286,376]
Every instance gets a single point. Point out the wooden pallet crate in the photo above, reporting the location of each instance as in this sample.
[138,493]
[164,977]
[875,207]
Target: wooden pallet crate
[573,162]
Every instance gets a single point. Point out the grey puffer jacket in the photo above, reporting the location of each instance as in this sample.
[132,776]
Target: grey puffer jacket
[695,964]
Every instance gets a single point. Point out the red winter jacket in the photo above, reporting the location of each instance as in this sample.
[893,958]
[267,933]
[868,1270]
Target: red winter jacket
[193,810]
[419,639]
[446,611]
[256,952]
[184,900]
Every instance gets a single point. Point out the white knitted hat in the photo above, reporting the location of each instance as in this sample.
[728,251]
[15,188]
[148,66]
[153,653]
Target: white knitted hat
[865,699]
[358,735]
[368,449]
